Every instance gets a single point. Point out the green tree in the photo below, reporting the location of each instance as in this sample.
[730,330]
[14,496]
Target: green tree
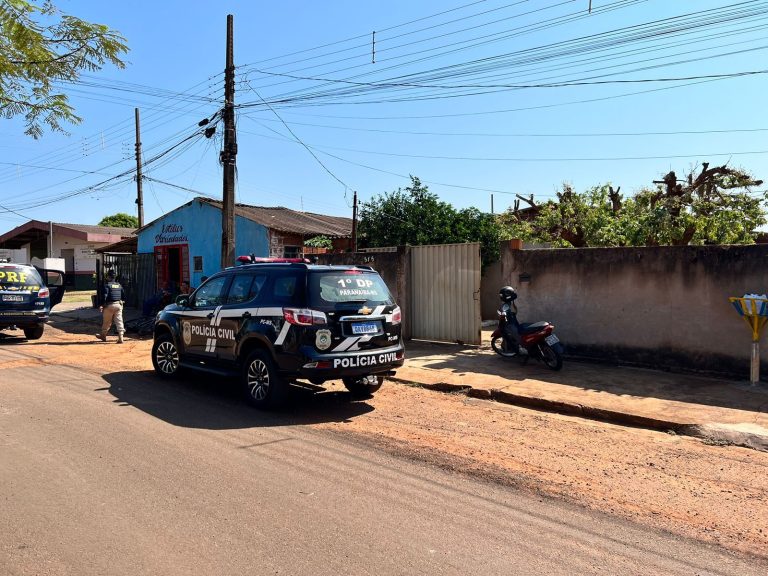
[319,242]
[406,216]
[715,206]
[120,220]
[416,216]
[42,48]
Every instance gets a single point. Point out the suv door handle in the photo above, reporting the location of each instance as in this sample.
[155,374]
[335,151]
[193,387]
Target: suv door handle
[246,314]
[210,315]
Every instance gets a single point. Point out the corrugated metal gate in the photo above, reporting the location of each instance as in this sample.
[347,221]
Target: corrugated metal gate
[445,293]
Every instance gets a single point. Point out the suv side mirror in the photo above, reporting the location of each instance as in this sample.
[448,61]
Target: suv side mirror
[182,300]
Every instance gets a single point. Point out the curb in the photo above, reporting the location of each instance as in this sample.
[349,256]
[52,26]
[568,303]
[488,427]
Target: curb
[716,434]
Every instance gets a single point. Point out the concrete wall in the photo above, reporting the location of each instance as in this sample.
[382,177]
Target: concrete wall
[660,307]
[80,259]
[490,283]
[199,226]
[20,255]
[393,267]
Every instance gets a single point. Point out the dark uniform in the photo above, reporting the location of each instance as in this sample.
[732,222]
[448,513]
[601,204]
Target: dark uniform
[113,296]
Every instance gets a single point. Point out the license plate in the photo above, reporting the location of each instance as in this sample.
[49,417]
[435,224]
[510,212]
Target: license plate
[13,298]
[365,328]
[551,339]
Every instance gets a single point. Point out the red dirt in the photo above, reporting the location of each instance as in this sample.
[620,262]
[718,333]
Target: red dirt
[713,493]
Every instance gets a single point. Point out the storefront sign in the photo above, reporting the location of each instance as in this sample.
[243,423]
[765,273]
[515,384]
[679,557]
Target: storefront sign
[86,252]
[171,234]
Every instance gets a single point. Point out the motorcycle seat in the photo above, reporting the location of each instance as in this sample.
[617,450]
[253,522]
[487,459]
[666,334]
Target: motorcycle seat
[529,328]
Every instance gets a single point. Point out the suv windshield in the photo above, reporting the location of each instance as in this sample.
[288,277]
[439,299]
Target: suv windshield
[330,288]
[16,278]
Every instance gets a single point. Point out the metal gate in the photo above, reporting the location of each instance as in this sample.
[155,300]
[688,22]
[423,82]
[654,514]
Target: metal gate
[136,272]
[445,293]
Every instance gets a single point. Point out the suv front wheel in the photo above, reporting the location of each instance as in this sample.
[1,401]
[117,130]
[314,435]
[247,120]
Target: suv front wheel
[363,386]
[165,356]
[262,387]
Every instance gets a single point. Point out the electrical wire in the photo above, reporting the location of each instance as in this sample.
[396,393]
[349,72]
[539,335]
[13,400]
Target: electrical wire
[519,134]
[302,143]
[691,26]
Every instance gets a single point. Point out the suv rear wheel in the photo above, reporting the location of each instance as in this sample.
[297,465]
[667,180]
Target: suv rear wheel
[34,332]
[262,387]
[363,386]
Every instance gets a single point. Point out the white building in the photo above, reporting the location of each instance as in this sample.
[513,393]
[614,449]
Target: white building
[75,243]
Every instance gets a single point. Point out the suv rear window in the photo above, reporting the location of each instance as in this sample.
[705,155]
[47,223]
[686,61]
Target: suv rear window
[328,288]
[15,278]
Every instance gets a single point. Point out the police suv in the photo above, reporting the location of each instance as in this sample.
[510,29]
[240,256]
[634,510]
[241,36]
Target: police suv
[272,323]
[27,296]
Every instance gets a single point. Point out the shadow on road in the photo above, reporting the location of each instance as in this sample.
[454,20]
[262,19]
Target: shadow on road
[211,402]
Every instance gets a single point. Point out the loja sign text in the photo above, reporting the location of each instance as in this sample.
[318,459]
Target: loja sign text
[171,234]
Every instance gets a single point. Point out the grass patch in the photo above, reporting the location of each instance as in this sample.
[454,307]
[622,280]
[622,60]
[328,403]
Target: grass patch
[79,296]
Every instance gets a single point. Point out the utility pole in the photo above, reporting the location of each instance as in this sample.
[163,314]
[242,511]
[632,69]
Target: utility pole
[491,202]
[354,222]
[228,155]
[139,193]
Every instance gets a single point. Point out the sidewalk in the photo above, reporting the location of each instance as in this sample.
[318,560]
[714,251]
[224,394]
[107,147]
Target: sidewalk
[719,411]
[85,313]
[716,410]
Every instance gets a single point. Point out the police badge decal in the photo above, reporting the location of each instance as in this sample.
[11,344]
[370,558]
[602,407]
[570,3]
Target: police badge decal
[187,331]
[323,339]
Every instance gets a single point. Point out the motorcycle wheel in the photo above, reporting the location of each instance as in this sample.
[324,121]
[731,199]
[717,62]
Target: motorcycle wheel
[552,357]
[499,346]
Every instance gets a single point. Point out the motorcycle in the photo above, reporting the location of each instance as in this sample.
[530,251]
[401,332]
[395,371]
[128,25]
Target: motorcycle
[536,340]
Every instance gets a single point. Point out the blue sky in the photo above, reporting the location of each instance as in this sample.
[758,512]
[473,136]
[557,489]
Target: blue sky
[373,124]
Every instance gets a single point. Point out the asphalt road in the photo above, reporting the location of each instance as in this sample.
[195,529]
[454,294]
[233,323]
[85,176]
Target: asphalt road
[122,473]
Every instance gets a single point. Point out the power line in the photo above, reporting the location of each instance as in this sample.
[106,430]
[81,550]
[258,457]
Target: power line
[184,188]
[302,143]
[646,31]
[322,149]
[506,110]
[118,178]
[485,39]
[519,134]
[111,134]
[359,36]
[542,85]
[346,160]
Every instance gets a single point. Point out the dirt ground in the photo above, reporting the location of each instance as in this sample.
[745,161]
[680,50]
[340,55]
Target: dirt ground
[718,494]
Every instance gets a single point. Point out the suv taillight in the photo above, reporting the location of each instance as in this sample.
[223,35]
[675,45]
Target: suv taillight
[43,293]
[397,315]
[304,316]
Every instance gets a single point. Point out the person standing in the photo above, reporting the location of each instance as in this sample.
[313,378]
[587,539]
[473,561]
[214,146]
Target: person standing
[113,297]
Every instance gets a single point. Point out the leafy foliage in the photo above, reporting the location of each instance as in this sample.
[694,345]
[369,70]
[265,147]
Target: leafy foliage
[120,220]
[416,216]
[319,242]
[42,48]
[714,207]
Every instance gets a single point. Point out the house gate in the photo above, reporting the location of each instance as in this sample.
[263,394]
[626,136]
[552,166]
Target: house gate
[445,293]
[136,272]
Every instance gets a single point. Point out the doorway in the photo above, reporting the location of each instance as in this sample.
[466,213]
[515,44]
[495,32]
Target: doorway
[172,263]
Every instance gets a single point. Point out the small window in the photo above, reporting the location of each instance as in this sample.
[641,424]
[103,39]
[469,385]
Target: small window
[258,281]
[240,289]
[287,289]
[197,263]
[211,293]
[292,252]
